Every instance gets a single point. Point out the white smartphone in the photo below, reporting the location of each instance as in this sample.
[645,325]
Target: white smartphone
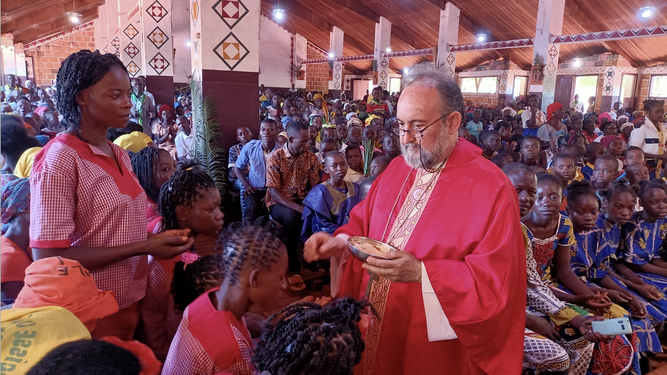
[612,327]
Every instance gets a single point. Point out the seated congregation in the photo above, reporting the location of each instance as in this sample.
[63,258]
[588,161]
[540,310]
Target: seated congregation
[86,288]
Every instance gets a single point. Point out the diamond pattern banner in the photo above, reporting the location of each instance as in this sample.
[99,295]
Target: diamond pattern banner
[158,37]
[133,69]
[231,51]
[230,11]
[156,11]
[131,50]
[116,42]
[159,63]
[131,31]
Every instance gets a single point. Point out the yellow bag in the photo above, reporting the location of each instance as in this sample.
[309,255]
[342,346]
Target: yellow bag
[29,334]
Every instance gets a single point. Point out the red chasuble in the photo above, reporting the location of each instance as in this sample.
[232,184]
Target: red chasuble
[469,238]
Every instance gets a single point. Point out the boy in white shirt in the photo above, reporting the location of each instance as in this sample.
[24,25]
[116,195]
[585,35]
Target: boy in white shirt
[184,139]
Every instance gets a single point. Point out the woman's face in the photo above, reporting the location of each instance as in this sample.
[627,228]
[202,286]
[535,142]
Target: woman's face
[166,117]
[107,103]
[657,113]
[204,216]
[165,168]
[620,208]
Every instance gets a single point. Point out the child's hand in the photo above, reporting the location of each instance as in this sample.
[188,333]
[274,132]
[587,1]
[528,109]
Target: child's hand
[649,292]
[638,309]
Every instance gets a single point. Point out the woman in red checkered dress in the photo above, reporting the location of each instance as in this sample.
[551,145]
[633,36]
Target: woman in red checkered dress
[86,203]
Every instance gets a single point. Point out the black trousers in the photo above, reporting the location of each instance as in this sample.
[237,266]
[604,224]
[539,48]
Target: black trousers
[291,222]
[254,207]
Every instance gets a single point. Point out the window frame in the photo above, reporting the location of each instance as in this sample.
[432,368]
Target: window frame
[478,80]
[650,86]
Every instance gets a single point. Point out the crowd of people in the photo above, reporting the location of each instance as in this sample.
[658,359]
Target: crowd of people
[567,228]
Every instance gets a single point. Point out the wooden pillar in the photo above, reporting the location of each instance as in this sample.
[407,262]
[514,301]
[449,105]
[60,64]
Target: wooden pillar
[549,22]
[448,35]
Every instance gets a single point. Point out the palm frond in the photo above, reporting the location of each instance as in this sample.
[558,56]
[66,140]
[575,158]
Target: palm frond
[369,147]
[207,133]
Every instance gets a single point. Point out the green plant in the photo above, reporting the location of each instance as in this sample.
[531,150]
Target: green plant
[207,134]
[369,147]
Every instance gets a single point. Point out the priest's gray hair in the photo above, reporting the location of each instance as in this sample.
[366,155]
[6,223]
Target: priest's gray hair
[430,75]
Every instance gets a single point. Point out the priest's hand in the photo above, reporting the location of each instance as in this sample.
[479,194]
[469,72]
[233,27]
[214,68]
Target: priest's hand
[400,267]
[322,245]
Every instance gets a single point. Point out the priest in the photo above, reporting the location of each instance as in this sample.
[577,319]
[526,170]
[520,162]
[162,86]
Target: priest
[451,297]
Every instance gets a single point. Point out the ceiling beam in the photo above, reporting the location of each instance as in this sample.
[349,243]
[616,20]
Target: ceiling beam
[37,19]
[573,7]
[294,8]
[54,27]
[14,9]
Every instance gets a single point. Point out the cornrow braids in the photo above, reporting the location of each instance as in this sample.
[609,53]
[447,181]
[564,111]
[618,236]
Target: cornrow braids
[617,187]
[183,188]
[79,71]
[192,280]
[248,245]
[145,164]
[310,339]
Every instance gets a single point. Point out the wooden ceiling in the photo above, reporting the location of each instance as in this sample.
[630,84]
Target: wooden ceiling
[415,25]
[30,20]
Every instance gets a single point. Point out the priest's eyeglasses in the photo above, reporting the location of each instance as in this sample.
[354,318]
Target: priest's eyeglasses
[417,133]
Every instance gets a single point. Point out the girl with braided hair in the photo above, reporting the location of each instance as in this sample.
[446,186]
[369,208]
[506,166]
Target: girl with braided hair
[87,205]
[153,168]
[311,339]
[213,336]
[189,200]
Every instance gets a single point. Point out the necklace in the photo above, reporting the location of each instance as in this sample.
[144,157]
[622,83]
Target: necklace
[435,173]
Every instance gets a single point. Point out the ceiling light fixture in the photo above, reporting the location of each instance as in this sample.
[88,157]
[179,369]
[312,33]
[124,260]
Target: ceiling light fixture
[331,55]
[481,37]
[74,17]
[388,49]
[577,63]
[646,12]
[278,14]
[188,43]
[405,70]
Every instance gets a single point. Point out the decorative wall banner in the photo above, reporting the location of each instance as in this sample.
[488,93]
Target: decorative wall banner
[602,36]
[515,43]
[414,52]
[158,44]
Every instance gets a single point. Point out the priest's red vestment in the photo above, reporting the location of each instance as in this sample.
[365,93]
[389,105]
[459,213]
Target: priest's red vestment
[469,239]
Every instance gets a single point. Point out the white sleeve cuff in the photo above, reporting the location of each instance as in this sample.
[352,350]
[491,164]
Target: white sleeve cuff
[437,324]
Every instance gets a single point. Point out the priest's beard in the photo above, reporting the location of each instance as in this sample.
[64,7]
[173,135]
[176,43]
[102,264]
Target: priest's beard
[415,155]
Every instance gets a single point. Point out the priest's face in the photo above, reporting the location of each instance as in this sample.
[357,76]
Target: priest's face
[418,108]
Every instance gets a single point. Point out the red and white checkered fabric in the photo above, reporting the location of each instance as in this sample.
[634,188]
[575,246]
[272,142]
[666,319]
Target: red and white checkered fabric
[78,199]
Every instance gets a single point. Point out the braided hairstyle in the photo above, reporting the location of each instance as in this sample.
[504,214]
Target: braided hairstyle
[79,71]
[183,188]
[145,164]
[194,279]
[310,339]
[248,245]
[617,187]
[578,189]
[646,186]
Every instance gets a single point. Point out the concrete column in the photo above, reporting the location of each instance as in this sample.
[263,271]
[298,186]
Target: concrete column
[8,56]
[549,22]
[336,47]
[300,54]
[131,40]
[382,41]
[612,79]
[180,34]
[101,28]
[158,53]
[113,22]
[225,62]
[448,35]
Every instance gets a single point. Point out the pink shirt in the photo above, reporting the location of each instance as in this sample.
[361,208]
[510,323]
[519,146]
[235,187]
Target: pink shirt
[80,197]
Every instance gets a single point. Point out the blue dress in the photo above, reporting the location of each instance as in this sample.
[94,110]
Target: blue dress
[643,243]
[595,255]
[326,208]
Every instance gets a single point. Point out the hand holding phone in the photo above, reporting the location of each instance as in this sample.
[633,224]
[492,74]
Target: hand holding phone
[612,327]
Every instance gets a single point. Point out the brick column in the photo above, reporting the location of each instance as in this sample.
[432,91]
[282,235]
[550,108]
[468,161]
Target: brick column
[225,61]
[158,50]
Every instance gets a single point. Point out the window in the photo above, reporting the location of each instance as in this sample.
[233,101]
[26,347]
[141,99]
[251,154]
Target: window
[482,85]
[520,85]
[394,85]
[585,87]
[658,87]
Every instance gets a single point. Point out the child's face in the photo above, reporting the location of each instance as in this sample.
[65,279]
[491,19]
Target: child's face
[505,133]
[655,203]
[329,133]
[204,215]
[549,197]
[564,169]
[354,134]
[615,148]
[589,126]
[325,148]
[166,168]
[530,149]
[583,212]
[312,131]
[183,124]
[634,157]
[620,208]
[493,142]
[275,101]
[266,284]
[377,168]
[464,133]
[636,173]
[597,152]
[341,129]
[317,122]
[391,145]
[369,134]
[604,173]
[336,167]
[576,124]
[354,159]
[476,115]
[243,134]
[281,140]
